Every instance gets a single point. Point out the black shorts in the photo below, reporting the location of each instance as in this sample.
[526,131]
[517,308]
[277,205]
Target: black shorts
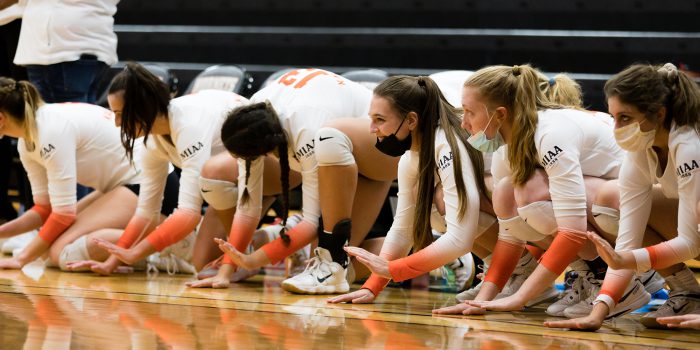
[170,194]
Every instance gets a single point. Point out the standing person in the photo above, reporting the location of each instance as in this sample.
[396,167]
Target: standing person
[61,145]
[67,46]
[183,131]
[313,120]
[412,113]
[657,120]
[553,170]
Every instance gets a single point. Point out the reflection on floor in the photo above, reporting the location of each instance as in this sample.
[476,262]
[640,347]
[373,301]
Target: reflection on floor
[53,310]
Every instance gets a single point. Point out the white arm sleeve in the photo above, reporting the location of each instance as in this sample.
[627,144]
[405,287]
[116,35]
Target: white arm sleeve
[686,245]
[37,176]
[398,241]
[461,232]
[253,206]
[311,205]
[59,155]
[635,184]
[559,153]
[153,179]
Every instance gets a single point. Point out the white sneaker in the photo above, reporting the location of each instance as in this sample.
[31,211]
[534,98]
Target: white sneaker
[472,292]
[581,288]
[522,271]
[635,296]
[18,242]
[175,258]
[321,276]
[464,271]
[652,281]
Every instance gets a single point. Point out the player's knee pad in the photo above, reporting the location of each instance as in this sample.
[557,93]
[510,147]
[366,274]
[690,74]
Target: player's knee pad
[76,251]
[516,230]
[333,147]
[540,215]
[220,195]
[608,219]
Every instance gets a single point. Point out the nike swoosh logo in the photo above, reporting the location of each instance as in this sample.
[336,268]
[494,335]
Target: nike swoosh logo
[323,279]
[206,191]
[325,138]
[677,309]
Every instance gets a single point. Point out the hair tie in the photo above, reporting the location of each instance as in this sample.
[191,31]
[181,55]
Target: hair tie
[421,81]
[670,71]
[552,81]
[516,70]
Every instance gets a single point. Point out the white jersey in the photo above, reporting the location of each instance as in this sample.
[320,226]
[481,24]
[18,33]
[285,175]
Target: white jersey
[570,144]
[461,233]
[76,143]
[304,99]
[680,179]
[195,135]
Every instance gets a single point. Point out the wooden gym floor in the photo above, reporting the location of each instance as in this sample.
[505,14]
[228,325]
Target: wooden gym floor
[55,310]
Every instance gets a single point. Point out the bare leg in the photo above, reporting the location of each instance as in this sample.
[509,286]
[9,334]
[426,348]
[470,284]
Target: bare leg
[102,213]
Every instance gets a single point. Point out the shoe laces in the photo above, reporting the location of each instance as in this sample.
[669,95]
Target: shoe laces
[170,262]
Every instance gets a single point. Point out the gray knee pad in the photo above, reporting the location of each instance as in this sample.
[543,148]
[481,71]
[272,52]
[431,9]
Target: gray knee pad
[76,251]
[332,147]
[608,219]
[220,195]
[517,230]
[540,215]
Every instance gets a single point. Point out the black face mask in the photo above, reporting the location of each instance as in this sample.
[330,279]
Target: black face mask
[392,146]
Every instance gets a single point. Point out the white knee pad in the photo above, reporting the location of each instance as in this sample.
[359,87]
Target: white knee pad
[540,215]
[517,230]
[76,251]
[220,195]
[332,147]
[608,219]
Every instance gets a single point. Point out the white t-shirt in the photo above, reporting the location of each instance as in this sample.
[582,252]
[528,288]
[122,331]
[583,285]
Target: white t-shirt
[680,179]
[461,233]
[305,99]
[195,135]
[77,142]
[55,31]
[570,144]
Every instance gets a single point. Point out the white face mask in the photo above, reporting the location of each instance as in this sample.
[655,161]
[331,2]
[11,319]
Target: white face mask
[631,137]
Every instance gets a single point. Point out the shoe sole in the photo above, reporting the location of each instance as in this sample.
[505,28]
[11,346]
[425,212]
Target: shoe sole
[343,288]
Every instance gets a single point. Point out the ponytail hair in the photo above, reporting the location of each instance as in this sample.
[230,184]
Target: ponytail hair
[252,131]
[563,90]
[20,101]
[518,89]
[145,98]
[422,96]
[650,87]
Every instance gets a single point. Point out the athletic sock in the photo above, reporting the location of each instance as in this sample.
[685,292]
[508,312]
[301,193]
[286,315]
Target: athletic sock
[336,240]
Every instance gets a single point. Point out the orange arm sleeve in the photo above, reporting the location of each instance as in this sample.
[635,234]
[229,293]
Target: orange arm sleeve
[301,235]
[43,210]
[375,284]
[174,228]
[133,231]
[241,234]
[563,250]
[54,226]
[504,258]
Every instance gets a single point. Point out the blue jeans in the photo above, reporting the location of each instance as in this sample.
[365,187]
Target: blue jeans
[68,81]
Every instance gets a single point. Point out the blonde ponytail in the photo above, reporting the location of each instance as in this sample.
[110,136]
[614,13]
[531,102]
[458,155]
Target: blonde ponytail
[20,101]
